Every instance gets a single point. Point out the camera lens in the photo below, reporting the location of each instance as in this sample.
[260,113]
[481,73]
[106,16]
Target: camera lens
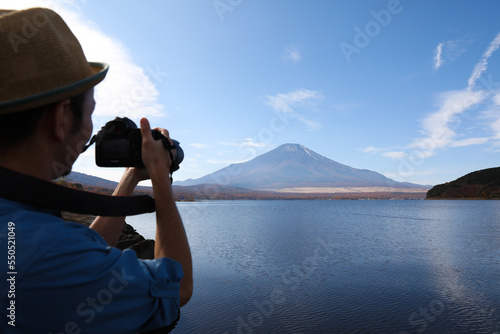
[178,157]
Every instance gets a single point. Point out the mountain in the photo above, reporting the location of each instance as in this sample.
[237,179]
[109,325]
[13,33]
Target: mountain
[89,180]
[293,166]
[483,184]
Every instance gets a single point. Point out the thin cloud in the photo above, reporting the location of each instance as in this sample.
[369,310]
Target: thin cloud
[470,141]
[198,145]
[292,54]
[284,102]
[437,126]
[247,142]
[371,150]
[493,113]
[223,162]
[250,142]
[483,63]
[495,126]
[449,51]
[394,155]
[452,104]
[310,125]
[289,102]
[438,61]
[402,176]
[243,151]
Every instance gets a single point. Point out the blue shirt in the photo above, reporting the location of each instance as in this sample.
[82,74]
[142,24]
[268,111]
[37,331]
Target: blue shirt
[62,277]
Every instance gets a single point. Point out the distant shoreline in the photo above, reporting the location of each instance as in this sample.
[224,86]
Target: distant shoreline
[348,190]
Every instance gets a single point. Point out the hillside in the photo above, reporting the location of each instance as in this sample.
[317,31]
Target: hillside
[97,182]
[482,184]
[89,180]
[295,168]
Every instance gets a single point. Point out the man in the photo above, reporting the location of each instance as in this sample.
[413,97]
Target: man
[63,277]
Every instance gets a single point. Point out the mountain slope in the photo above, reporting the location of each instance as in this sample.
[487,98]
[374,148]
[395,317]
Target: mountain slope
[295,166]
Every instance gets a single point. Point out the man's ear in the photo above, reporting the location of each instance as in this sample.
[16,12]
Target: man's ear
[61,119]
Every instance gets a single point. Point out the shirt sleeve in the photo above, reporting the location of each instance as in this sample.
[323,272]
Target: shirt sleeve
[83,284]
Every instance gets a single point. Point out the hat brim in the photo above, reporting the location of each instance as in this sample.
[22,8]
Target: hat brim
[100,70]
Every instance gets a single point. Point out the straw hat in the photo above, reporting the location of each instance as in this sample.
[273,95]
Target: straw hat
[41,61]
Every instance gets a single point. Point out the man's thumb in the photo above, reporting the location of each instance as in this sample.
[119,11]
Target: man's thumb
[145,128]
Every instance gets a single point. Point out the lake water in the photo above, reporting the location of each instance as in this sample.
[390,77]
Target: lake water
[341,266]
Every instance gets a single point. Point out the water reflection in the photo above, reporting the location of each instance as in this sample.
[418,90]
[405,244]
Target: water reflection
[342,266]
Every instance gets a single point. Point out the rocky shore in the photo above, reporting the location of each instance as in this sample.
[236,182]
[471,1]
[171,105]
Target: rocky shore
[129,238]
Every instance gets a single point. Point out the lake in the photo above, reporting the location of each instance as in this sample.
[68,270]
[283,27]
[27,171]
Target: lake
[403,266]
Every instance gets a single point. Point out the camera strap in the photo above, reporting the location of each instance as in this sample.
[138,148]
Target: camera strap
[48,195]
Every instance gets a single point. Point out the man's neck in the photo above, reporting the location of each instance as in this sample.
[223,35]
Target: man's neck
[27,160]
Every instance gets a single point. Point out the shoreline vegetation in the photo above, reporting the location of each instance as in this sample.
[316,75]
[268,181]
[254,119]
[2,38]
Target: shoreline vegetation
[479,185]
[220,192]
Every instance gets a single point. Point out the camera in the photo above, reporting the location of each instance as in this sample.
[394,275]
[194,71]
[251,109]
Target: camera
[119,144]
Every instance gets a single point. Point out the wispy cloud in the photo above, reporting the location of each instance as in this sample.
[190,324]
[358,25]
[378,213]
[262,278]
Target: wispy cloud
[198,145]
[402,176]
[452,104]
[449,51]
[469,142]
[371,149]
[242,151]
[292,54]
[438,61]
[495,126]
[483,62]
[494,114]
[247,142]
[289,102]
[223,161]
[394,154]
[437,127]
[250,142]
[284,102]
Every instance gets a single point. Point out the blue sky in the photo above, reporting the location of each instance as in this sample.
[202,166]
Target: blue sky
[410,88]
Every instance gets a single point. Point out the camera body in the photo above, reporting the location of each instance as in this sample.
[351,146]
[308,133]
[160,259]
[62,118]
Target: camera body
[119,144]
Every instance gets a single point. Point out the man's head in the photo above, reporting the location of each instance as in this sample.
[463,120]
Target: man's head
[17,127]
[45,77]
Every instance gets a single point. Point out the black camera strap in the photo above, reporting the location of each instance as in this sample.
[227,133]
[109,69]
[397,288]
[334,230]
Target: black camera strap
[48,195]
